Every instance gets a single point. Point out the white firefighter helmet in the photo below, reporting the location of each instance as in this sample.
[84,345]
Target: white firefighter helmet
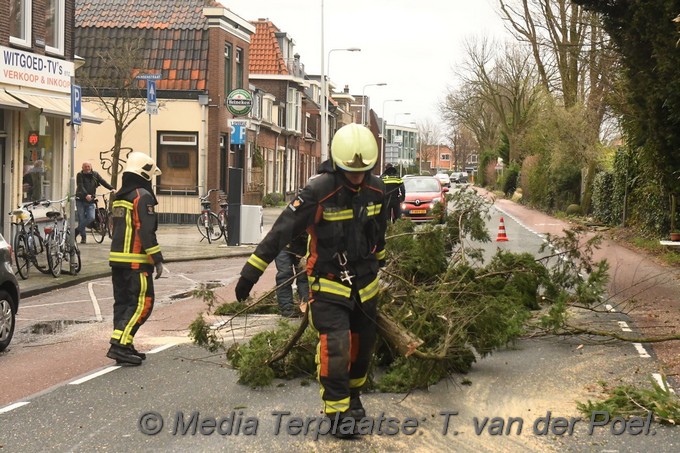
[354,148]
[142,165]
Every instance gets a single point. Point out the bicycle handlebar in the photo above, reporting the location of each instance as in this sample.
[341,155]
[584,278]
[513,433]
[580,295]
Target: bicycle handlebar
[206,196]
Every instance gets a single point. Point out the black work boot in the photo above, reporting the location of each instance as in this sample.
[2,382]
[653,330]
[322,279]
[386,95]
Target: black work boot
[141,355]
[123,355]
[340,425]
[356,409]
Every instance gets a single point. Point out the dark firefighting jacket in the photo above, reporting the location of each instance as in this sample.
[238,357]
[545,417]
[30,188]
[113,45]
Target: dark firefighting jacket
[395,192]
[134,242]
[346,228]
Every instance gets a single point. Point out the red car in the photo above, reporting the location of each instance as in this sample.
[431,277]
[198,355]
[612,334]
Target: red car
[422,195]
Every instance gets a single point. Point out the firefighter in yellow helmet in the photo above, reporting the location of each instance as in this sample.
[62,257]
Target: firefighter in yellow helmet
[342,209]
[134,255]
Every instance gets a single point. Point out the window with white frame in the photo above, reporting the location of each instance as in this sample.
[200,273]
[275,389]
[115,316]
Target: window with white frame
[54,26]
[178,162]
[294,110]
[20,22]
[267,107]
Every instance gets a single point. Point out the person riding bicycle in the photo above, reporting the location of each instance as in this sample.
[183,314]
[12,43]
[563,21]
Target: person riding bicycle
[343,211]
[87,182]
[134,255]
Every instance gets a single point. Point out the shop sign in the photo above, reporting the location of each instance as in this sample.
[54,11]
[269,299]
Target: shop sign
[240,102]
[27,69]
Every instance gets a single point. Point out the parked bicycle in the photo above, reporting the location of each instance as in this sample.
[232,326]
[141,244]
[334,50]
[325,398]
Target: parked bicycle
[207,222]
[59,249]
[28,244]
[101,225]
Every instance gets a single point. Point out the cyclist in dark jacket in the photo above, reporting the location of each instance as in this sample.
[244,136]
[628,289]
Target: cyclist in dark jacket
[342,210]
[134,255]
[87,182]
[395,192]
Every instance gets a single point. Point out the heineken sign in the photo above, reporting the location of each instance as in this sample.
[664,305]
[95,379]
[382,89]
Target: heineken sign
[240,102]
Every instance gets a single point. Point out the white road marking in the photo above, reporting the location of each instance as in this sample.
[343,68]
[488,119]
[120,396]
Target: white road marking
[94,375]
[51,304]
[161,348]
[659,380]
[11,407]
[95,304]
[642,351]
[610,308]
[624,326]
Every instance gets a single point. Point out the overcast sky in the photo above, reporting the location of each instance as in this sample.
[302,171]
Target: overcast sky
[412,45]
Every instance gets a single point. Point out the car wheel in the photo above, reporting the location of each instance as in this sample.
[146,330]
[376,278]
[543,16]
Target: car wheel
[7,319]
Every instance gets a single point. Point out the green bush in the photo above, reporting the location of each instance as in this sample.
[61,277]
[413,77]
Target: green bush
[603,194]
[573,209]
[272,199]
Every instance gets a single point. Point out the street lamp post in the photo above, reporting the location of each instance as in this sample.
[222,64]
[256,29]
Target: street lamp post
[384,127]
[401,147]
[324,100]
[364,113]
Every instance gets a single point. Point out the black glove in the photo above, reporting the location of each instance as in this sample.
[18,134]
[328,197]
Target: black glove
[381,263]
[243,288]
[159,270]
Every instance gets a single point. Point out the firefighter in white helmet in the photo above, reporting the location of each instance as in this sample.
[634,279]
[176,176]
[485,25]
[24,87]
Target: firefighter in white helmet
[342,210]
[134,256]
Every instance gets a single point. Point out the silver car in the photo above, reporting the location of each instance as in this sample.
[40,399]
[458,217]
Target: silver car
[9,295]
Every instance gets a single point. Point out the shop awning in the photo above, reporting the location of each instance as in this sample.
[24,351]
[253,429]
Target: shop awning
[9,102]
[54,105]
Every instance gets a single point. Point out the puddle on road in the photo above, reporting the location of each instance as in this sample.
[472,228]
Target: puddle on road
[52,327]
[211,284]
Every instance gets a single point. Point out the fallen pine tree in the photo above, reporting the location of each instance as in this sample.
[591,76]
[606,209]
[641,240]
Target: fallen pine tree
[442,305]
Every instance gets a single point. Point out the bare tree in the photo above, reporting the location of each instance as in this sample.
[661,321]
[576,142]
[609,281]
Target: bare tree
[507,85]
[111,79]
[463,144]
[429,135]
[573,57]
[463,108]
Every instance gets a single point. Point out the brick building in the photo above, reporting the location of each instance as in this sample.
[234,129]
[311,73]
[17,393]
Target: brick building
[200,51]
[36,43]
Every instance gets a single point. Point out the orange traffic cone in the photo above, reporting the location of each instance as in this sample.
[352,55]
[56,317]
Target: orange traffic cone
[501,233]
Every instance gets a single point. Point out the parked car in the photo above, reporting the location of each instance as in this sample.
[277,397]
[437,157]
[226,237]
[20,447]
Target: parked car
[459,177]
[9,295]
[423,193]
[444,179]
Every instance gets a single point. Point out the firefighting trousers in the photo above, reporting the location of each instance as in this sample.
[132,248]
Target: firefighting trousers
[346,339]
[133,302]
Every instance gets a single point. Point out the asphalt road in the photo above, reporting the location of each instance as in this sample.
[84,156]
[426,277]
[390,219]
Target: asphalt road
[59,392]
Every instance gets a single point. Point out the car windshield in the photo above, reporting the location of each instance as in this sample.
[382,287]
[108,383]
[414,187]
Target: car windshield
[421,185]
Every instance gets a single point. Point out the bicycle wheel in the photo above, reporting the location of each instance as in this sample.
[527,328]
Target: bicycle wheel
[109,225]
[209,229]
[222,217]
[54,254]
[99,226]
[76,256]
[39,254]
[21,256]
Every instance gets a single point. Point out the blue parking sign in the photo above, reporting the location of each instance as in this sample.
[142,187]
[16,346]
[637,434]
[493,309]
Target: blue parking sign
[238,135]
[76,105]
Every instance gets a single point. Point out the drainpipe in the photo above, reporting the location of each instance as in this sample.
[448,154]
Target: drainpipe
[203,101]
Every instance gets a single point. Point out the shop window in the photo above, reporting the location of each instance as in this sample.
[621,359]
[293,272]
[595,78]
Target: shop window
[178,160]
[41,135]
[20,22]
[54,26]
